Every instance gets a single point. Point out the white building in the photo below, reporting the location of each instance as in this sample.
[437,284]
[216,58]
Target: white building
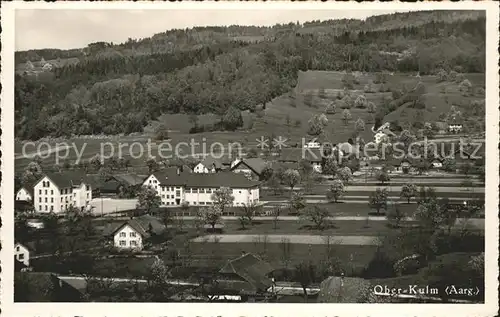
[455,127]
[383,135]
[22,254]
[208,165]
[132,234]
[196,189]
[25,193]
[312,144]
[55,192]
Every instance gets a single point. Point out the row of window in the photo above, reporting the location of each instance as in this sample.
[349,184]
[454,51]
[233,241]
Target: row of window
[123,243]
[124,234]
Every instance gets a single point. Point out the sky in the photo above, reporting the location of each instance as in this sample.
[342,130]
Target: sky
[71,28]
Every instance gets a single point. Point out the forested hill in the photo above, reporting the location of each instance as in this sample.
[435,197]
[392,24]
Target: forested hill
[120,88]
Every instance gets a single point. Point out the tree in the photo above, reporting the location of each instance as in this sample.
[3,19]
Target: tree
[360,102]
[346,116]
[305,168]
[274,183]
[383,176]
[426,194]
[449,165]
[371,108]
[232,119]
[344,174]
[297,202]
[308,99]
[32,173]
[408,191]
[331,108]
[211,215]
[148,199]
[275,213]
[329,166]
[429,215]
[252,153]
[96,162]
[250,211]
[316,215]
[104,173]
[378,200]
[222,198]
[395,215]
[291,178]
[407,139]
[158,284]
[359,125]
[336,191]
[317,124]
[465,87]
[305,274]
[266,173]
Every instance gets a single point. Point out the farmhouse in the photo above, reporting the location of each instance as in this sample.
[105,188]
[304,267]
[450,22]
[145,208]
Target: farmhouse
[25,193]
[247,273]
[314,156]
[55,192]
[383,134]
[455,127]
[251,167]
[195,189]
[22,254]
[402,165]
[208,165]
[132,234]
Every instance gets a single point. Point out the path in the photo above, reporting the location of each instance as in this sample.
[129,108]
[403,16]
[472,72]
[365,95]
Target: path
[296,239]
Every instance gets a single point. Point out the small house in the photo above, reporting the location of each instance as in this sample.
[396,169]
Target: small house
[132,234]
[311,144]
[455,127]
[208,165]
[22,254]
[25,193]
[251,167]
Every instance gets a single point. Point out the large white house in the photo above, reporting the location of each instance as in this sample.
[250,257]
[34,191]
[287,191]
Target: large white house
[22,254]
[196,189]
[55,192]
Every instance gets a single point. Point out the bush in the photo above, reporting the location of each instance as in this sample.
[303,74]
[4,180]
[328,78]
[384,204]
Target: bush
[380,266]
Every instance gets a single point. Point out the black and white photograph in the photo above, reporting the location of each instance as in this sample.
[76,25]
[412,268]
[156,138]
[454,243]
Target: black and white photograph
[317,154]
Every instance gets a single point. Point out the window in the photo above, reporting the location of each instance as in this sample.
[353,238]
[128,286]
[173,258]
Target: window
[61,199]
[51,208]
[52,192]
[133,243]
[178,193]
[62,207]
[132,234]
[45,192]
[39,199]
[88,195]
[40,191]
[239,192]
[21,256]
[46,207]
[168,203]
[123,234]
[87,187]
[46,199]
[123,243]
[17,248]
[51,199]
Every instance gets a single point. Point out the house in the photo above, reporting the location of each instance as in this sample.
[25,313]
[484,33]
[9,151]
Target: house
[208,165]
[455,127]
[22,254]
[195,189]
[247,273]
[44,287]
[25,193]
[311,144]
[55,192]
[383,135]
[292,155]
[251,167]
[437,162]
[133,233]
[384,126]
[403,165]
[340,289]
[117,184]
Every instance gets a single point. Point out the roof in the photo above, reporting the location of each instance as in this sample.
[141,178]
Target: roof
[66,179]
[298,154]
[129,179]
[18,265]
[46,287]
[387,132]
[336,289]
[255,164]
[252,269]
[142,225]
[29,187]
[209,161]
[222,179]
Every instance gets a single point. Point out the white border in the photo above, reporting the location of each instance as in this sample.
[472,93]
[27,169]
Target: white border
[490,307]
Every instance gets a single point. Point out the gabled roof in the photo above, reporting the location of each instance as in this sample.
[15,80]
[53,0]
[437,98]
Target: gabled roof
[257,165]
[29,188]
[250,268]
[129,179]
[210,162]
[66,179]
[222,179]
[297,154]
[336,289]
[142,226]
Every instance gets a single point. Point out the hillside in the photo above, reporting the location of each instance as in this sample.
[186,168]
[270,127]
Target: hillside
[115,89]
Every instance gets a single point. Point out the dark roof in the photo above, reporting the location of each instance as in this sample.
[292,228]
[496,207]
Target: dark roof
[251,269]
[29,187]
[142,224]
[255,164]
[129,179]
[297,154]
[222,179]
[66,179]
[350,290]
[209,162]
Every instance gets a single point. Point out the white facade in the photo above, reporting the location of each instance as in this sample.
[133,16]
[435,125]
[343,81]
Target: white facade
[127,238]
[23,195]
[200,168]
[437,164]
[22,254]
[312,145]
[50,198]
[455,127]
[169,195]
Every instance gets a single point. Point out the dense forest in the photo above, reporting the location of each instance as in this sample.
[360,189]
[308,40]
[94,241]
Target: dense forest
[120,88]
